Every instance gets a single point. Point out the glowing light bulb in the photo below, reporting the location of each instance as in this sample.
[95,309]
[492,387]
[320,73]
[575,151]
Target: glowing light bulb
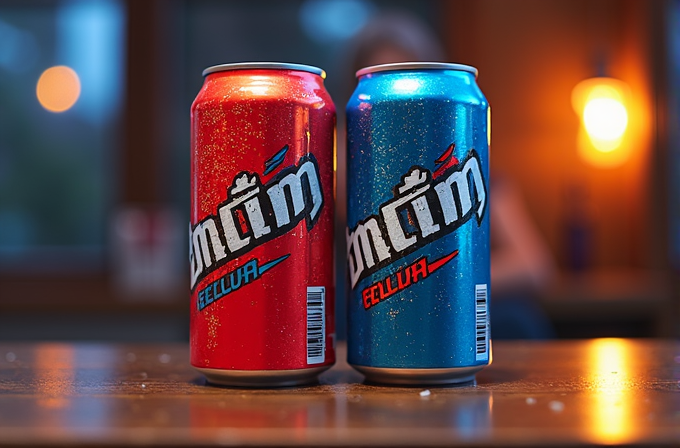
[605,118]
[601,104]
[58,88]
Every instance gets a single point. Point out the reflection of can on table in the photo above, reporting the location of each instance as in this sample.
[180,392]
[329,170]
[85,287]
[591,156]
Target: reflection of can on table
[418,224]
[261,241]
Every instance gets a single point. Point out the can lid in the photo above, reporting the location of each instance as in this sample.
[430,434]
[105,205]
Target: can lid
[264,66]
[398,66]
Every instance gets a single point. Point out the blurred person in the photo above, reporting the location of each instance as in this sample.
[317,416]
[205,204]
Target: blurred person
[521,263]
[521,267]
[395,36]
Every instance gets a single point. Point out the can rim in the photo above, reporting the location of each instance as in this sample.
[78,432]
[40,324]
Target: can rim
[265,66]
[416,66]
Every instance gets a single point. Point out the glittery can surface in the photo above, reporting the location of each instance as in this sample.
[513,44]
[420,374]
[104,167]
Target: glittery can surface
[261,230]
[418,224]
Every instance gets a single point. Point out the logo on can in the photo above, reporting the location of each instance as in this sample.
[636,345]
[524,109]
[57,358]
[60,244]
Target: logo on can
[418,226]
[260,240]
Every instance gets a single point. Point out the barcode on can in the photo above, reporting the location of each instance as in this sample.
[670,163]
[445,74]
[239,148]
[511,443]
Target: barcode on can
[316,324]
[481,323]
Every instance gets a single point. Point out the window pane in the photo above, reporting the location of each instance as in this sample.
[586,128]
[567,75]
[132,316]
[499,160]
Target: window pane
[674,133]
[61,85]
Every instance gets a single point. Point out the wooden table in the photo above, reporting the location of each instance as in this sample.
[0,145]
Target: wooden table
[562,393]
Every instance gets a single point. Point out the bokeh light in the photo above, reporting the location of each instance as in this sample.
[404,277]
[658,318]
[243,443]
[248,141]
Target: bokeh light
[602,105]
[605,118]
[58,88]
[328,21]
[610,369]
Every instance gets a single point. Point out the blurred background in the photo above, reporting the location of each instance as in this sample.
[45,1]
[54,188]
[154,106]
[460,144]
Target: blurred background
[94,147]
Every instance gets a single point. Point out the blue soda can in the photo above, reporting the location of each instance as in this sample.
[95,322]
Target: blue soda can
[418,138]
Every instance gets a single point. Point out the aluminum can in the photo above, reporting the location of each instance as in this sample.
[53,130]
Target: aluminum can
[261,230]
[418,224]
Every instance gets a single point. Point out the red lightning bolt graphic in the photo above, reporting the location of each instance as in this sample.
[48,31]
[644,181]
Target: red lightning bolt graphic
[447,160]
[431,267]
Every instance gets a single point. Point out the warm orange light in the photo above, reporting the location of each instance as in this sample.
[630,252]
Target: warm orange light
[58,88]
[602,105]
[610,365]
[54,375]
[605,120]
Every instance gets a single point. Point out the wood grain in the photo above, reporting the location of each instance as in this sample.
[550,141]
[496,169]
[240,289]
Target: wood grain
[562,393]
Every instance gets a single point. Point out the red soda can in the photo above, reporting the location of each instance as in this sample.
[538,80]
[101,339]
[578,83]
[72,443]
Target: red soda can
[261,230]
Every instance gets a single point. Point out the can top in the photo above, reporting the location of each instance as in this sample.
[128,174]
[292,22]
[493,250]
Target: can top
[416,66]
[264,66]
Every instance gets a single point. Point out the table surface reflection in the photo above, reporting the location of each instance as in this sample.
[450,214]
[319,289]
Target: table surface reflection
[557,393]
